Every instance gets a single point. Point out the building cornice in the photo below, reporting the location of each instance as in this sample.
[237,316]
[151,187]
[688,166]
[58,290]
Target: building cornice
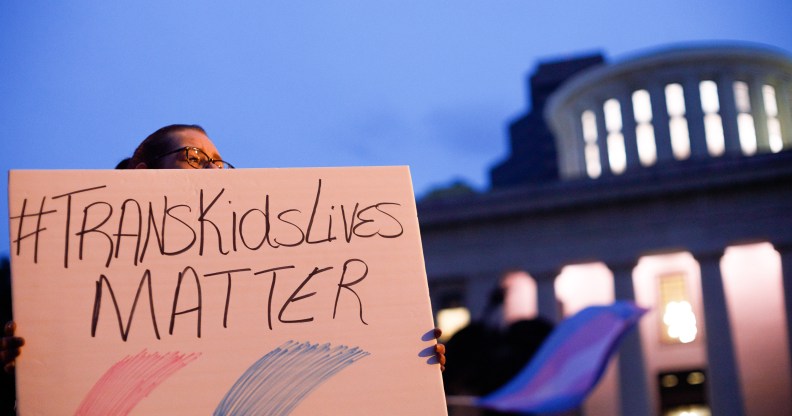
[663,181]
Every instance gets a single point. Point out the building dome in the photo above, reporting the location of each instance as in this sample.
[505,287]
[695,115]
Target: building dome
[670,106]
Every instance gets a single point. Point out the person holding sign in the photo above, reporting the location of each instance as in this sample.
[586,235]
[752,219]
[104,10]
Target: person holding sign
[9,347]
[178,146]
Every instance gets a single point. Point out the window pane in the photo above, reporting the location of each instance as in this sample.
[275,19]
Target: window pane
[741,99]
[745,125]
[771,107]
[593,166]
[713,129]
[709,96]
[613,119]
[617,158]
[644,131]
[680,140]
[647,149]
[642,106]
[773,124]
[589,121]
[675,100]
[591,152]
[774,135]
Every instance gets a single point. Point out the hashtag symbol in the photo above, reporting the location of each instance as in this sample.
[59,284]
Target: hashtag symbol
[35,234]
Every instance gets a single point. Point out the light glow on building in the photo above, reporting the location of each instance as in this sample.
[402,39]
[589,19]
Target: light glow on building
[680,321]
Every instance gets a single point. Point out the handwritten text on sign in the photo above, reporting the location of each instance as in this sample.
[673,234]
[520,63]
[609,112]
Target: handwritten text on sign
[220,268]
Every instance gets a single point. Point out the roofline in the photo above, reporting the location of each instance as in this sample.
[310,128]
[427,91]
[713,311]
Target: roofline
[693,53]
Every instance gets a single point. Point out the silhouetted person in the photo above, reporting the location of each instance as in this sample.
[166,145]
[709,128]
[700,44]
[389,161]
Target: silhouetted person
[487,356]
[7,381]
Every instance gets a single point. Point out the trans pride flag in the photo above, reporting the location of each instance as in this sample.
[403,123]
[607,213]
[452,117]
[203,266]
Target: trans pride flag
[569,363]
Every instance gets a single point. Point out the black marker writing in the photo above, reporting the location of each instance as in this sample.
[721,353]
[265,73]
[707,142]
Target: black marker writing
[68,196]
[83,231]
[21,217]
[197,308]
[295,298]
[272,289]
[228,274]
[102,282]
[347,286]
[203,220]
[313,216]
[121,232]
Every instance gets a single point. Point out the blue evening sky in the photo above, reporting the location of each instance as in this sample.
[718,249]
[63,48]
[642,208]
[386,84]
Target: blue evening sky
[429,84]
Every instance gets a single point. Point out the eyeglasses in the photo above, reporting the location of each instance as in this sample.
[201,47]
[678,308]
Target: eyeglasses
[197,158]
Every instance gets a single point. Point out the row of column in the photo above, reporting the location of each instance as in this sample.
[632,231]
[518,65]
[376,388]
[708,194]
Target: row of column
[694,116]
[724,393]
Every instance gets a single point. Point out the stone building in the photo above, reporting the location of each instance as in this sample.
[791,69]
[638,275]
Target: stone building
[664,178]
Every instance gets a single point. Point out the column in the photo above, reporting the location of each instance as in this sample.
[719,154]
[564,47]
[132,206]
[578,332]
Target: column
[759,115]
[628,129]
[728,113]
[786,271]
[784,95]
[723,380]
[660,122]
[695,118]
[635,398]
[545,290]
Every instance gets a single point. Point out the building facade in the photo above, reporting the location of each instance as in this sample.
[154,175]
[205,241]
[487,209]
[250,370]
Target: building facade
[669,183]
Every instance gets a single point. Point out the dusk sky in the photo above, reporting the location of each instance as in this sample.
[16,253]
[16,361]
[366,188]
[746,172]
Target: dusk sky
[429,84]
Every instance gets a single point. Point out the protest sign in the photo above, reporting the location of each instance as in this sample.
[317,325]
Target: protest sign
[248,292]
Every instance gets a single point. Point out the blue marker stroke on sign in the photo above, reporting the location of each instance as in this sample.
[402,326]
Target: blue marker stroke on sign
[280,380]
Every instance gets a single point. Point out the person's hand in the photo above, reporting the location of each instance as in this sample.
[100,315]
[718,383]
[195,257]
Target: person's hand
[440,350]
[9,347]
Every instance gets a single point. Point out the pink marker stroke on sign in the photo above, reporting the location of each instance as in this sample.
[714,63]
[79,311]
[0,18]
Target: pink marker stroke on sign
[131,380]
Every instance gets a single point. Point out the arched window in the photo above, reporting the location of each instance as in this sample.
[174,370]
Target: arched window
[617,157]
[677,124]
[644,131]
[773,125]
[713,126]
[745,121]
[590,148]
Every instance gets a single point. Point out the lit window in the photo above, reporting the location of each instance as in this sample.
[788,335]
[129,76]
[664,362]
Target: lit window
[683,393]
[675,104]
[519,296]
[582,285]
[644,131]
[745,121]
[741,98]
[591,150]
[451,320]
[713,127]
[617,156]
[773,125]
[669,380]
[612,109]
[694,410]
[678,319]
[695,378]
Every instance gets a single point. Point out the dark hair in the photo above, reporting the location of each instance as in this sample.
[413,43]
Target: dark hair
[123,164]
[158,143]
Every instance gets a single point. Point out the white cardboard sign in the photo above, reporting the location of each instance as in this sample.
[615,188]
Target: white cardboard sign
[245,292]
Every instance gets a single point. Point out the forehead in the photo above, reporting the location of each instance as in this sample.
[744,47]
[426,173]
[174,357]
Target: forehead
[194,138]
